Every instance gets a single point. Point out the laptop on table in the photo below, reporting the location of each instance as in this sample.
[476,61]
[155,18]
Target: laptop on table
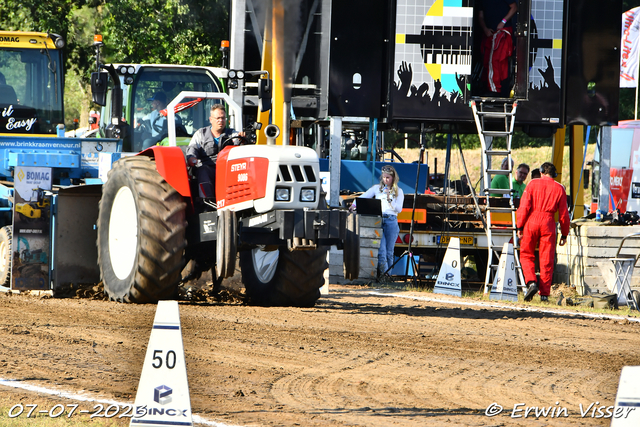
[366,206]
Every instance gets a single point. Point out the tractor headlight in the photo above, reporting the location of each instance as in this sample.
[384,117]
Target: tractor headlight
[283,194]
[308,195]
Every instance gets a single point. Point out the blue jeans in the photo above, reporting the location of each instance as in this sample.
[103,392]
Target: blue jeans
[390,230]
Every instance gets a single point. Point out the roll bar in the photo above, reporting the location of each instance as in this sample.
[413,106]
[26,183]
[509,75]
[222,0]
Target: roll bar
[235,113]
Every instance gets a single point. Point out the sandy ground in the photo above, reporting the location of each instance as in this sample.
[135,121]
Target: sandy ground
[359,358]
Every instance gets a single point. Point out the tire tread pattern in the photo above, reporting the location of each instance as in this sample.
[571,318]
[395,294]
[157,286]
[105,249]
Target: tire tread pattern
[297,280]
[300,277]
[161,235]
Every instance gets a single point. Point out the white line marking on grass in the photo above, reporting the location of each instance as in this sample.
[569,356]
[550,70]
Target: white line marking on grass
[85,398]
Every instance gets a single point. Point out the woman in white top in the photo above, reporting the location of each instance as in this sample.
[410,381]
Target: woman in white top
[392,199]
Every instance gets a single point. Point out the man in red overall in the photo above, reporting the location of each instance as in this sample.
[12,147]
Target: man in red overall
[536,224]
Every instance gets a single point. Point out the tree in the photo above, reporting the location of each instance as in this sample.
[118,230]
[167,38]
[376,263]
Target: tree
[145,31]
[59,17]
[169,32]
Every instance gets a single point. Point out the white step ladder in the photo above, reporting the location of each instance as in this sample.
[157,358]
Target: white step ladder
[497,120]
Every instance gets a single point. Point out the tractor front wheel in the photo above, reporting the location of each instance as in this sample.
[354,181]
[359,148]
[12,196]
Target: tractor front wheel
[283,277]
[141,233]
[226,244]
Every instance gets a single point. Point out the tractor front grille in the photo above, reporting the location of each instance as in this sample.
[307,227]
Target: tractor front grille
[296,173]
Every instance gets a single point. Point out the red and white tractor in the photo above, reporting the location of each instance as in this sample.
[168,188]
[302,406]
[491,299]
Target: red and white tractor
[270,211]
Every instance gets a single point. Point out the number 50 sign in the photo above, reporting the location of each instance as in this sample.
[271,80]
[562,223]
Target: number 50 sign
[163,392]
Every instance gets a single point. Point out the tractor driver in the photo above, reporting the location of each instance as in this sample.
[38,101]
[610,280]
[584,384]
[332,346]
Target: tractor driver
[157,122]
[204,147]
[155,128]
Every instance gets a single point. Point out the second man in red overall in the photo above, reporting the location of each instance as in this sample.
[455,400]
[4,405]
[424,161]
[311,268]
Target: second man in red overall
[536,225]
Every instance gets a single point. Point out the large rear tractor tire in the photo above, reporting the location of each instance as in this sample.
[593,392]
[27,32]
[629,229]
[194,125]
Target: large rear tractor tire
[5,255]
[283,277]
[141,233]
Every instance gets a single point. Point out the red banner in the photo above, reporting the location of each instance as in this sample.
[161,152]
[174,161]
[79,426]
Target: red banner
[619,186]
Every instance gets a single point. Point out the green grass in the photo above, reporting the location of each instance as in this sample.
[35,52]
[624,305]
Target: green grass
[625,311]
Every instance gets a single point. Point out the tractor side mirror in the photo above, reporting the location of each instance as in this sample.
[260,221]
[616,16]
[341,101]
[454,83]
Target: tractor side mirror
[264,94]
[99,88]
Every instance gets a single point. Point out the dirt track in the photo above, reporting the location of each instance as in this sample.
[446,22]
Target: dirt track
[356,359]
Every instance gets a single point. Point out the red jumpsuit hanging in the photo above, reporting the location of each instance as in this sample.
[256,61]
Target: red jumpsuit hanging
[541,199]
[496,51]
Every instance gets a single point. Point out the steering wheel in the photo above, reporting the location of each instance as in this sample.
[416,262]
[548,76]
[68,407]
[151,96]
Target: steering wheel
[241,140]
[143,126]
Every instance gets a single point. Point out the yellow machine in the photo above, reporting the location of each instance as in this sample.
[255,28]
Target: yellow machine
[33,210]
[31,85]
[28,211]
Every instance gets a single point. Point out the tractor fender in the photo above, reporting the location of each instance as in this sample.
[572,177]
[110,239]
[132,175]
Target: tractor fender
[171,165]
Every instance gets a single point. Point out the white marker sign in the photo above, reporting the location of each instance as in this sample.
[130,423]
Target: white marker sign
[627,409]
[504,285]
[449,276]
[163,393]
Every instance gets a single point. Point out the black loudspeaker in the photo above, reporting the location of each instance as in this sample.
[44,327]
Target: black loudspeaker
[593,62]
[357,57]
